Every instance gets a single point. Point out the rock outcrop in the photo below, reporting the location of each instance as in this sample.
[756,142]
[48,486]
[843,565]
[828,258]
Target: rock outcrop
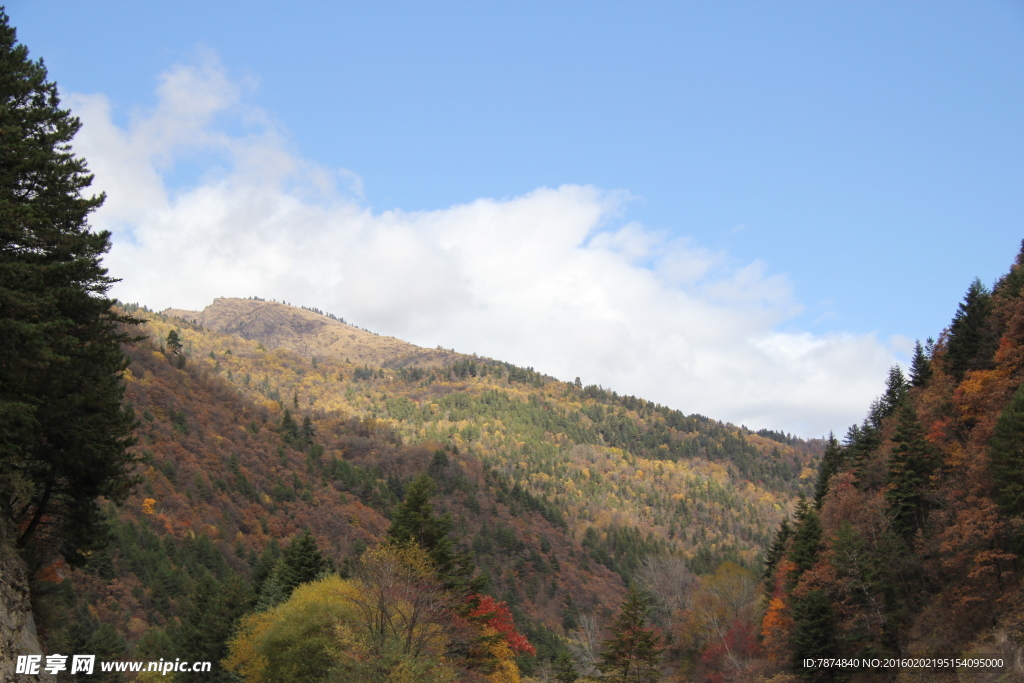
[17,627]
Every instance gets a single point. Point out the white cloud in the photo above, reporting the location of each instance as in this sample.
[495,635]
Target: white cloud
[545,279]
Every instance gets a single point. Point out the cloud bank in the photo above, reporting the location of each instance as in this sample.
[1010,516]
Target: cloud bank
[551,279]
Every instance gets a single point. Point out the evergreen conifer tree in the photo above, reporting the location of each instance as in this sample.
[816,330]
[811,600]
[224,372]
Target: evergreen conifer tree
[271,592]
[862,441]
[972,337]
[831,461]
[85,633]
[634,651]
[865,582]
[776,551]
[208,623]
[438,466]
[301,562]
[564,669]
[813,634]
[289,427]
[264,566]
[173,342]
[1006,456]
[910,465]
[414,520]
[64,431]
[895,391]
[308,431]
[1010,285]
[806,540]
[920,367]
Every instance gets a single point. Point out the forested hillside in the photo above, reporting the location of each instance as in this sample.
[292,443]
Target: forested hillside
[560,494]
[287,497]
[747,556]
[911,546]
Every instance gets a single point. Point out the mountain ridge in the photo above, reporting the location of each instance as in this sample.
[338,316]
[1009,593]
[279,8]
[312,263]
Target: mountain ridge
[310,333]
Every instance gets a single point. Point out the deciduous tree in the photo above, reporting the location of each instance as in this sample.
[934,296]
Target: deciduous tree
[404,612]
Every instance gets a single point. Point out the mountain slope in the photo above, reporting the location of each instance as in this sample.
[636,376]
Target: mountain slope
[309,333]
[558,491]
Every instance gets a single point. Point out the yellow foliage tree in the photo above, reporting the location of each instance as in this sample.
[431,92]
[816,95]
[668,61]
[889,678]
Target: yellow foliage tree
[403,617]
[295,640]
[505,669]
[719,600]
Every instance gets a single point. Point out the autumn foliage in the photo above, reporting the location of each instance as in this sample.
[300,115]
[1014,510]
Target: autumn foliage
[920,525]
[496,616]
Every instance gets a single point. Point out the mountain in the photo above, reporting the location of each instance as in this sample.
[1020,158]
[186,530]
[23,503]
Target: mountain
[310,333]
[260,421]
[271,419]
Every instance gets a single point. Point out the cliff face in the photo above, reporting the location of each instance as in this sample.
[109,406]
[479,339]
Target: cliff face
[17,627]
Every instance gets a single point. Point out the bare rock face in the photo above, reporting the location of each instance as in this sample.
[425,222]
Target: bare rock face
[308,333]
[17,627]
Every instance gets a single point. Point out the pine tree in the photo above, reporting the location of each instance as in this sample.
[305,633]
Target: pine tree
[865,587]
[972,338]
[301,562]
[910,465]
[289,428]
[895,391]
[776,551]
[264,567]
[813,633]
[84,633]
[308,432]
[438,466]
[1006,456]
[174,342]
[208,623]
[271,592]
[806,540]
[831,461]
[920,367]
[633,653]
[564,669]
[862,441]
[64,430]
[413,519]
[1010,285]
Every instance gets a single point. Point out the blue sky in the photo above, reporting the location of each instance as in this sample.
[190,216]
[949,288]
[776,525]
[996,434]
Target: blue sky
[856,165]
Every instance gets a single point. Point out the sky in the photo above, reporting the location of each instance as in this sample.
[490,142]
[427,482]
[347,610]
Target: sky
[746,210]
